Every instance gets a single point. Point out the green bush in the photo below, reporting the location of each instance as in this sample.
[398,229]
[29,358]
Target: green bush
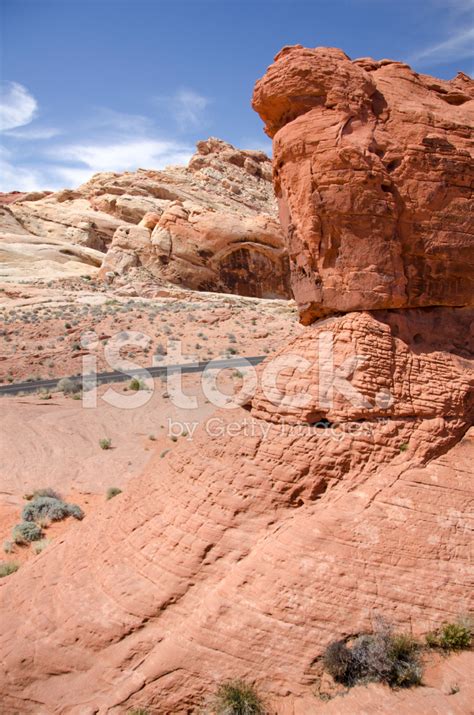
[8,567]
[75,511]
[451,636]
[26,532]
[68,386]
[136,384]
[105,443]
[237,698]
[51,509]
[112,492]
[381,656]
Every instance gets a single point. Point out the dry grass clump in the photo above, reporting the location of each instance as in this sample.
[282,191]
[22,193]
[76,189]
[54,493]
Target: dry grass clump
[8,568]
[236,697]
[382,656]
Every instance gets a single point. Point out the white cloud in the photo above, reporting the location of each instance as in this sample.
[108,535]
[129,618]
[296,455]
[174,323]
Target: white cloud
[86,160]
[117,122]
[123,156]
[187,107]
[14,178]
[17,105]
[32,134]
[459,46]
[459,6]
[70,177]
[106,140]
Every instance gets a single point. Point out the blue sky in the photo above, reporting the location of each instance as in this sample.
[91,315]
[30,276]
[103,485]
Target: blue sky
[103,85]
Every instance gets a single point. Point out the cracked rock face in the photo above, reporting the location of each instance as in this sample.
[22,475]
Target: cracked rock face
[248,549]
[209,226]
[338,490]
[373,170]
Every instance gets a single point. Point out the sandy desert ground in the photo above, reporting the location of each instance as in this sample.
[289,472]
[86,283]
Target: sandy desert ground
[58,444]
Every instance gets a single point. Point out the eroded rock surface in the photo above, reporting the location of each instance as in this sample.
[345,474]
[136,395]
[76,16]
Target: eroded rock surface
[209,226]
[248,549]
[339,488]
[374,171]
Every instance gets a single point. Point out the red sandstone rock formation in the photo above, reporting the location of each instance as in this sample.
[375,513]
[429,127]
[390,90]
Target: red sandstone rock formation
[245,553]
[339,489]
[374,173]
[214,224]
[209,226]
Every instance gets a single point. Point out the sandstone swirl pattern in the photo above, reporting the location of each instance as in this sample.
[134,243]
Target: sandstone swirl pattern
[243,554]
[211,225]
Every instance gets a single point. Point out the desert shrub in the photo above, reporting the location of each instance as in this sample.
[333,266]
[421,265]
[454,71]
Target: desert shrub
[451,636]
[8,567]
[237,698]
[105,443]
[67,386]
[138,711]
[404,653]
[40,545]
[382,656]
[51,509]
[47,492]
[112,492]
[26,532]
[8,547]
[75,511]
[136,384]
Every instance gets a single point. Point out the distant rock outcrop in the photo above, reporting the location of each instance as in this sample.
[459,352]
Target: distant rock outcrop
[374,174]
[209,226]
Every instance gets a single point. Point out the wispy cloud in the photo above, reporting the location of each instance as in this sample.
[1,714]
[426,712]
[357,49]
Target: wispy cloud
[458,43]
[459,46]
[33,133]
[114,122]
[13,177]
[17,105]
[187,107]
[126,155]
[68,165]
[40,157]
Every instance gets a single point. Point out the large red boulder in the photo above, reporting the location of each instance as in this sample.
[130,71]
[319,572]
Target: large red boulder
[373,170]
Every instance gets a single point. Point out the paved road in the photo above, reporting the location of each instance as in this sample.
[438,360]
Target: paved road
[115,376]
